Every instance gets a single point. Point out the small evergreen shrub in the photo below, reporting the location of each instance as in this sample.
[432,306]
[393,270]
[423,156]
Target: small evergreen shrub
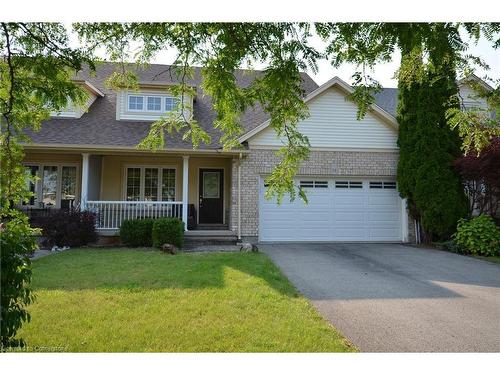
[69,228]
[168,230]
[137,232]
[478,236]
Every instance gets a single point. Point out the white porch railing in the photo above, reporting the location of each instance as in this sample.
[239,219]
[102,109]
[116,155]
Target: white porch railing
[110,214]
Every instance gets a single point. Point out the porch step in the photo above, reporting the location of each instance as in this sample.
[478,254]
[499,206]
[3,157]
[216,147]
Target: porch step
[195,238]
[212,227]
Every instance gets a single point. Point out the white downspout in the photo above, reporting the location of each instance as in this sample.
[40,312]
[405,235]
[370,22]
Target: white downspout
[239,198]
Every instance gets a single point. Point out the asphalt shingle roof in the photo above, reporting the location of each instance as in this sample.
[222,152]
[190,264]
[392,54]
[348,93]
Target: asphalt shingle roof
[99,126]
[387,99]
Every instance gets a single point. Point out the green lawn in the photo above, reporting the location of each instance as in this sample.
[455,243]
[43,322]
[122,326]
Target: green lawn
[493,259]
[114,300]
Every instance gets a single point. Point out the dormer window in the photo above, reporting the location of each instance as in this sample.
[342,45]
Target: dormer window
[171,103]
[152,103]
[135,103]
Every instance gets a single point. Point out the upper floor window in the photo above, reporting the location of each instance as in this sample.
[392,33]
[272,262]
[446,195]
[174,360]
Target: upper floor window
[135,103]
[151,103]
[171,103]
[154,103]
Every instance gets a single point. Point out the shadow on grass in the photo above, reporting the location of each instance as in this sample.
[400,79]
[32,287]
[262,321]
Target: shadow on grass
[139,269]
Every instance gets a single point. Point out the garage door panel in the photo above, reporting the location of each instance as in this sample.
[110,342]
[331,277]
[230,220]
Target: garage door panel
[279,216]
[316,235]
[315,215]
[383,216]
[381,200]
[348,217]
[333,214]
[349,203]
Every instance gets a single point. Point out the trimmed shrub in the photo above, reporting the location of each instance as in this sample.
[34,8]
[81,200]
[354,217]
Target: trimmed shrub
[168,230]
[478,236]
[137,232]
[68,228]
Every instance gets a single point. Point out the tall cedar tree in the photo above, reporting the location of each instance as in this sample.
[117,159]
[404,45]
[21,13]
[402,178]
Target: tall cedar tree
[427,145]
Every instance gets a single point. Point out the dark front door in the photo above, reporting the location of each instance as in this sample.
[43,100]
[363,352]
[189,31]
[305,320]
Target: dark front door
[211,198]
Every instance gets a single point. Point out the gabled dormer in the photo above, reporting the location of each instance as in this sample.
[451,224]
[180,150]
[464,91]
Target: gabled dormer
[149,103]
[469,96]
[76,111]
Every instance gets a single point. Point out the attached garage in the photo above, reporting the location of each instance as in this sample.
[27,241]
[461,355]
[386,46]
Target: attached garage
[338,209]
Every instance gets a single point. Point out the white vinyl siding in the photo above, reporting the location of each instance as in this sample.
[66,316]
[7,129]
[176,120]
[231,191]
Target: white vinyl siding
[332,124]
[468,95]
[156,103]
[73,111]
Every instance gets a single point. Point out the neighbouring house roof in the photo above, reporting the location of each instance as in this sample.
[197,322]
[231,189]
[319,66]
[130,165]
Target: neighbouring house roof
[99,126]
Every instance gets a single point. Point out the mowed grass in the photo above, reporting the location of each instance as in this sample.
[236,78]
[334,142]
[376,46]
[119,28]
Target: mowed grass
[493,259]
[131,300]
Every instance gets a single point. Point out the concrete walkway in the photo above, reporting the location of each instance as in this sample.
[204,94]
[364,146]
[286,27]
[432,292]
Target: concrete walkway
[41,253]
[395,298]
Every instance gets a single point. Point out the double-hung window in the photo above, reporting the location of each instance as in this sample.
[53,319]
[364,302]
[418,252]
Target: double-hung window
[150,183]
[52,185]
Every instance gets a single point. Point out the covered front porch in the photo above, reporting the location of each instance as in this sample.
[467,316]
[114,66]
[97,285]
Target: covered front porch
[197,188]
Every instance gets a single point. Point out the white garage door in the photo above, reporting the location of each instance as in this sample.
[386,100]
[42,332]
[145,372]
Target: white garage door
[339,209]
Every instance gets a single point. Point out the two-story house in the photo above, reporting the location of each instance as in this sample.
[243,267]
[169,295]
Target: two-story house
[87,157]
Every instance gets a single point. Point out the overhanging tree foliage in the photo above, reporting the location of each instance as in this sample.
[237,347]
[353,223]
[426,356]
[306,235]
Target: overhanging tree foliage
[37,65]
[36,69]
[427,144]
[283,49]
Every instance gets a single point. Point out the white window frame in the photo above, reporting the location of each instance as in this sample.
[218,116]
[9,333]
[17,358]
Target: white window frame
[314,184]
[142,188]
[382,185]
[153,97]
[145,97]
[348,184]
[136,96]
[39,182]
[173,99]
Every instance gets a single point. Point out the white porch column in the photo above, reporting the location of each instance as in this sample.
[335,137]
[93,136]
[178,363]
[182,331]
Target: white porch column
[85,181]
[185,190]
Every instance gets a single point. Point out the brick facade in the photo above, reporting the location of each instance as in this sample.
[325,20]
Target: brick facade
[320,163]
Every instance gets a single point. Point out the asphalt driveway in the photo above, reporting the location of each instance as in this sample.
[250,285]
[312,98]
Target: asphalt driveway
[396,298]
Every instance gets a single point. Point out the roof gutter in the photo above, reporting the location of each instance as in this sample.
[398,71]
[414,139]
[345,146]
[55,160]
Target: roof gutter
[128,149]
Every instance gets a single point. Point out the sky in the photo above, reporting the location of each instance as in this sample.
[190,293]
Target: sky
[384,73]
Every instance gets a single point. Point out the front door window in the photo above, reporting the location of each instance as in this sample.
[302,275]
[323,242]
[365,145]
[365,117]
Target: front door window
[211,187]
